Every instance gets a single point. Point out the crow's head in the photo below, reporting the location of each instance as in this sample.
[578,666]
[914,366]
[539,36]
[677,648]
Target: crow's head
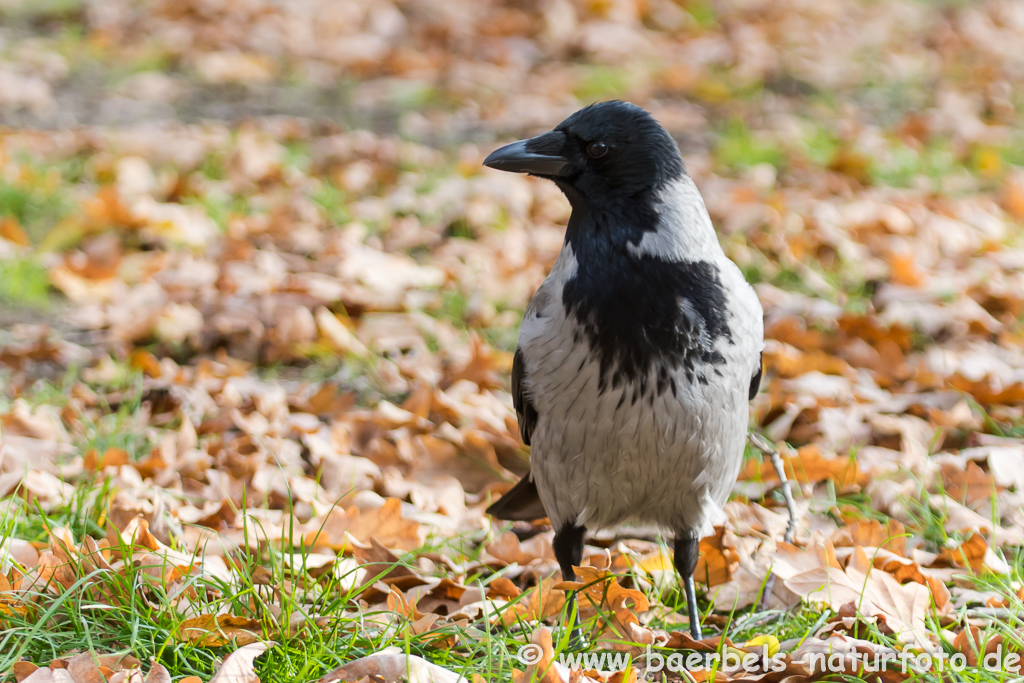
[607,150]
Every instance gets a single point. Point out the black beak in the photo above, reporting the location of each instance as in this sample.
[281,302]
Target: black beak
[536,156]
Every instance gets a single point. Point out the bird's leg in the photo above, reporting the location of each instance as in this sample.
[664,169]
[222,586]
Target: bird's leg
[568,546]
[687,551]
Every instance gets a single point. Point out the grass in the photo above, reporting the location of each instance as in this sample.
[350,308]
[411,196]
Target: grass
[821,146]
[904,164]
[410,95]
[221,208]
[147,58]
[146,625]
[37,202]
[41,10]
[601,82]
[739,147]
[120,428]
[24,283]
[702,11]
[317,624]
[316,628]
[316,619]
[333,202]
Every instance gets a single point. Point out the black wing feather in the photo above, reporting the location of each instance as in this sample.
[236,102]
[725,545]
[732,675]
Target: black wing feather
[755,381]
[522,502]
[525,411]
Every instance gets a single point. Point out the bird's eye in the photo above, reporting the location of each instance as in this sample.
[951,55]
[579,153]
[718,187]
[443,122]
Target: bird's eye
[597,149]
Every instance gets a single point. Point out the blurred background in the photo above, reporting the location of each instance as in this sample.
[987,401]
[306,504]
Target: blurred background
[203,175]
[292,191]
[249,257]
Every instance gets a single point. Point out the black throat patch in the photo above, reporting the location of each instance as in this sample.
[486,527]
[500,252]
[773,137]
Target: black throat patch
[640,313]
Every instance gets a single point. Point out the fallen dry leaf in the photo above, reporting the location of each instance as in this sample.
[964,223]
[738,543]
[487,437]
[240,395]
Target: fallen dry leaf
[385,524]
[216,631]
[238,667]
[872,592]
[717,561]
[392,665]
[542,666]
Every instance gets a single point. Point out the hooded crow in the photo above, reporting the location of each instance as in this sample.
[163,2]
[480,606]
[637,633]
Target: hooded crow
[639,353]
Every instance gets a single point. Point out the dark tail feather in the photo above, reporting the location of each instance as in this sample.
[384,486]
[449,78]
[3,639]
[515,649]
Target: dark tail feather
[521,503]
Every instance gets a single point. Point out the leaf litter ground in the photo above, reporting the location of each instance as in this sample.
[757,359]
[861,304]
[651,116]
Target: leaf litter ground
[255,373]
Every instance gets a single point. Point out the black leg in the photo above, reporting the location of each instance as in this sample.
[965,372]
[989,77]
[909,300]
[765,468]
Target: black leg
[568,546]
[686,553]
